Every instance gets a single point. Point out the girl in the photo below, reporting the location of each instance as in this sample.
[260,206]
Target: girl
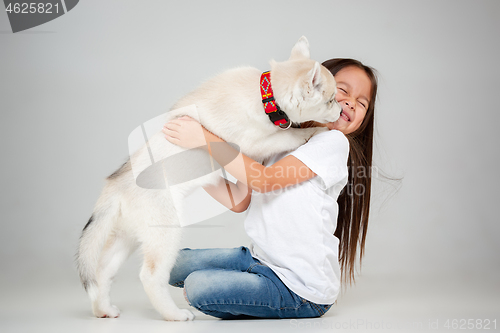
[305,229]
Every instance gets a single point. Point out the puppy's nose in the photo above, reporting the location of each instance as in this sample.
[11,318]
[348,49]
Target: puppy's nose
[338,106]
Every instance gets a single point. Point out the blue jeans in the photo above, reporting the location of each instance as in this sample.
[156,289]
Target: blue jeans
[231,284]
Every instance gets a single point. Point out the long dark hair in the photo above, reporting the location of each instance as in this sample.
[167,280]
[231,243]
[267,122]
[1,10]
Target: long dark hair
[354,200]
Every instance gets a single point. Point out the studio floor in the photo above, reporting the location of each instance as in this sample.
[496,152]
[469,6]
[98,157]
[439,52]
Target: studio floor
[373,304]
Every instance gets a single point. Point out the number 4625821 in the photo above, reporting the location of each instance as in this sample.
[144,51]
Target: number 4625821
[32,8]
[476,324]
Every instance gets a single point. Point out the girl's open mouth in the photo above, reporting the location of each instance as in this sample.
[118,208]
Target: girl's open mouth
[344,116]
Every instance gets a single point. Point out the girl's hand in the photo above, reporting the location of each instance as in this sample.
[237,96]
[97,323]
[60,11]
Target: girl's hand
[185,132]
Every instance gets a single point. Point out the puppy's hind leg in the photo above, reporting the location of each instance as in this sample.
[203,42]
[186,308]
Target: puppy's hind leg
[160,253]
[116,250]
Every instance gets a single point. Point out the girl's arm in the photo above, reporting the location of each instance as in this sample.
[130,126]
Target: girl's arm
[236,197]
[188,133]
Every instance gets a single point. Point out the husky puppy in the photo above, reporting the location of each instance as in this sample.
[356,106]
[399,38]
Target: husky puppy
[229,105]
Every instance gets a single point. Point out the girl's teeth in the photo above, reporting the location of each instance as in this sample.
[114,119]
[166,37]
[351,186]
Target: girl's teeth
[345,117]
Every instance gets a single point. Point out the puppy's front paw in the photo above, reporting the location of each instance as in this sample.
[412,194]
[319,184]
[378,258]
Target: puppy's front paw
[180,315]
[110,312]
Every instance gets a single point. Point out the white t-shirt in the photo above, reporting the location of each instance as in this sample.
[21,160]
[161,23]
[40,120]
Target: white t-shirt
[292,228]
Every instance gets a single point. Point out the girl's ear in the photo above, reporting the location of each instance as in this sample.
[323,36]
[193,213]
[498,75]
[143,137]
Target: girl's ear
[301,49]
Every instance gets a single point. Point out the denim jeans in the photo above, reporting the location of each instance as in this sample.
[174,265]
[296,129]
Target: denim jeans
[231,284]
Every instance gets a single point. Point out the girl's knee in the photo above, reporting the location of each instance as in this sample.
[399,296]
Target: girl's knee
[185,295]
[196,287]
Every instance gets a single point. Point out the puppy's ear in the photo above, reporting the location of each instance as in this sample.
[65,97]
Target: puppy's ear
[314,77]
[301,49]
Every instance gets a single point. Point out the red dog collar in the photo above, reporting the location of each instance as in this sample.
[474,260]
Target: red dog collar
[277,116]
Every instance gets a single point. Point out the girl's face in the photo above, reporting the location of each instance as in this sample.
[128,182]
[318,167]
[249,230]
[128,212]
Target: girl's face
[353,93]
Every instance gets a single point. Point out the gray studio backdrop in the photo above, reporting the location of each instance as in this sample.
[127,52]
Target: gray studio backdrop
[72,90]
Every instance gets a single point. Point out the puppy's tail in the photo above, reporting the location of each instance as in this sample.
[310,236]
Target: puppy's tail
[94,235]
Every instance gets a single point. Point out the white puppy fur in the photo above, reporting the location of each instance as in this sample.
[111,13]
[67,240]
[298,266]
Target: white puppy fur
[229,105]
